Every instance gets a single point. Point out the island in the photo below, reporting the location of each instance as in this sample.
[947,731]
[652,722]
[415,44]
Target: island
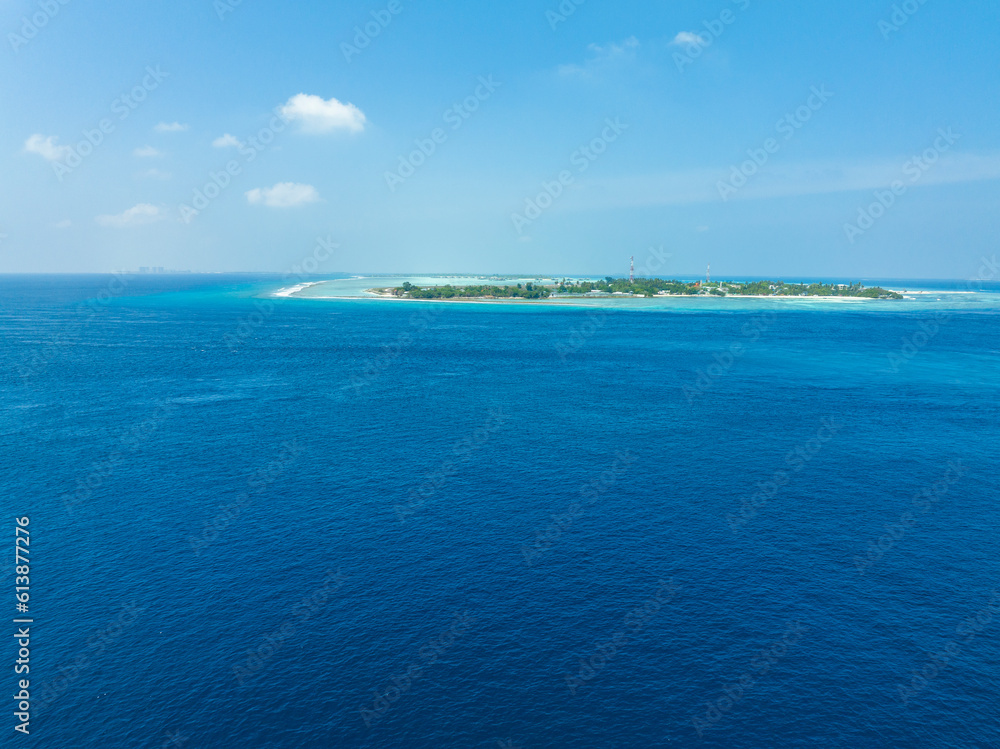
[637,288]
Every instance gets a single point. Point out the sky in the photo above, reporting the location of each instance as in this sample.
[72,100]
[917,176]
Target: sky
[850,139]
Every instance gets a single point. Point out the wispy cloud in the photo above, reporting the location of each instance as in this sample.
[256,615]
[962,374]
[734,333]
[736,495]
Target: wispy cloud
[317,115]
[147,152]
[170,127]
[283,195]
[777,181]
[144,213]
[154,174]
[602,57]
[64,224]
[227,141]
[686,38]
[46,147]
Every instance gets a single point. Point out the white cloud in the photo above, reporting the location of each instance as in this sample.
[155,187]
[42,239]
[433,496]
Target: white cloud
[170,127]
[64,224]
[602,57]
[144,213]
[319,116]
[154,174]
[283,195]
[147,152]
[689,37]
[227,141]
[46,147]
[614,50]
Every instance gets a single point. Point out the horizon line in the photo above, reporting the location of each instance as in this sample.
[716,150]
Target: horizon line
[679,276]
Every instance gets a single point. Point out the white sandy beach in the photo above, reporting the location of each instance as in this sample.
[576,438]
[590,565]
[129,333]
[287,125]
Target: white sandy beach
[293,290]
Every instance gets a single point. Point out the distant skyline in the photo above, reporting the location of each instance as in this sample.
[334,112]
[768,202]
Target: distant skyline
[844,140]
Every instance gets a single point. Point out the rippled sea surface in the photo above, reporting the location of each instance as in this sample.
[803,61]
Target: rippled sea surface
[262,522]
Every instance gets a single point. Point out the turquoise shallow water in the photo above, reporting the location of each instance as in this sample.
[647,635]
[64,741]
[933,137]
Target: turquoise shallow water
[344,523]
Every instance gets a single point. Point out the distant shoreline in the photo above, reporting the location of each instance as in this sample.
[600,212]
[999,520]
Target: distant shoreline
[563,301]
[571,298]
[300,290]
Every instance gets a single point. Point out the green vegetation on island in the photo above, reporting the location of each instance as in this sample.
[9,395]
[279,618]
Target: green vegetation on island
[640,287]
[521,291]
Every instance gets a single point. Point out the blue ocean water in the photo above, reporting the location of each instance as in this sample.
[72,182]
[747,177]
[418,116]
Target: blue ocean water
[336,523]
